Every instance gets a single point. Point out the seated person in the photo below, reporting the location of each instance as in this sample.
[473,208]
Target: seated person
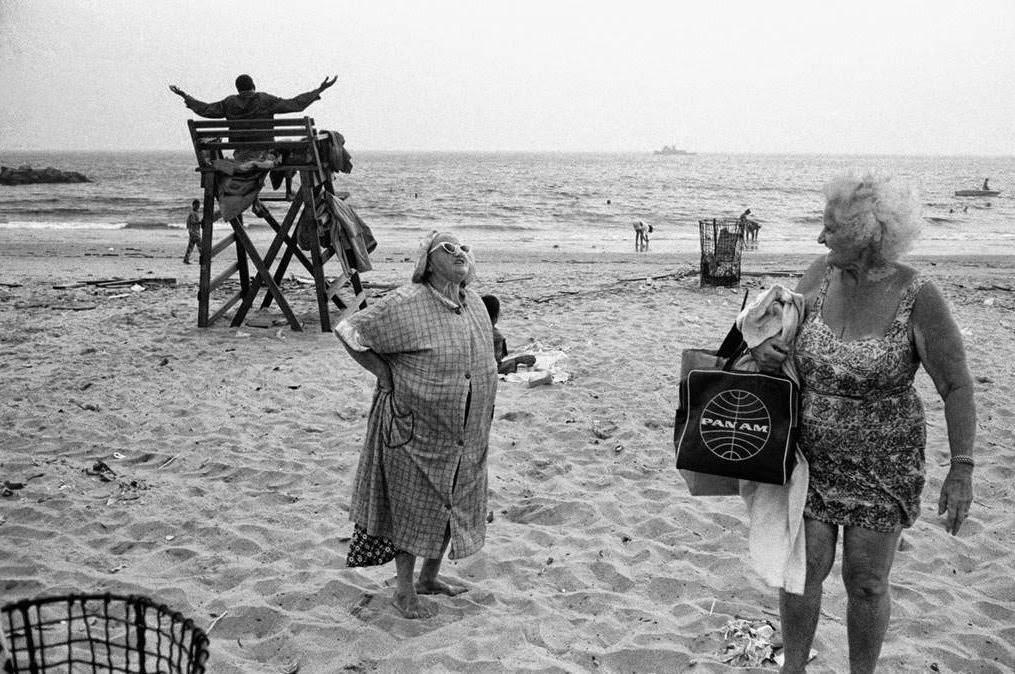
[505,364]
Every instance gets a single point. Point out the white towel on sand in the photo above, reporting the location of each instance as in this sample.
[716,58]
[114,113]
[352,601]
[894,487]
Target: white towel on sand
[776,539]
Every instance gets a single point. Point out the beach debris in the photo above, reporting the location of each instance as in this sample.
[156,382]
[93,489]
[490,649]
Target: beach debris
[7,488]
[118,567]
[215,619]
[169,461]
[516,415]
[540,378]
[73,307]
[677,275]
[618,449]
[984,380]
[603,429]
[170,537]
[102,471]
[289,667]
[748,642]
[118,455]
[117,282]
[137,288]
[489,517]
[266,321]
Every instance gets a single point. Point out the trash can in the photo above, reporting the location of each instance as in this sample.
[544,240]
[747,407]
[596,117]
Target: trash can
[99,633]
[722,245]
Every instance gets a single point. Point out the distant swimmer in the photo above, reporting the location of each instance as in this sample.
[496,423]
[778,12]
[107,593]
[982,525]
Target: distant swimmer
[986,186]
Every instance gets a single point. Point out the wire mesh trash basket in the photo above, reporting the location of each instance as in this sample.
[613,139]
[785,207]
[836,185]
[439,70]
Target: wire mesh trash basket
[99,633]
[722,245]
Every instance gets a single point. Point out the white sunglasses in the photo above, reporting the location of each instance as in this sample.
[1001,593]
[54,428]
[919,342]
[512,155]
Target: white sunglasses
[450,248]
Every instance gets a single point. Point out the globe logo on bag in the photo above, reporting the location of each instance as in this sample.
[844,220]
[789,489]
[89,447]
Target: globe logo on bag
[735,425]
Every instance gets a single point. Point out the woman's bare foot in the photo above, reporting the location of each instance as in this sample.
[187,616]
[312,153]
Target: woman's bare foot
[409,605]
[438,586]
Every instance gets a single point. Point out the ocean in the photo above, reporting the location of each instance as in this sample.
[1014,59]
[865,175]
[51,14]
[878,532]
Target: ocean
[585,200]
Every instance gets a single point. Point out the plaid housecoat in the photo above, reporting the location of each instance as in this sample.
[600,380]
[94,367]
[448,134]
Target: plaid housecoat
[423,464]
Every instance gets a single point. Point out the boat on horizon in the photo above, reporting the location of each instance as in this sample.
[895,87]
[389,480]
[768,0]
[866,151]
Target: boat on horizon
[977,193]
[671,149]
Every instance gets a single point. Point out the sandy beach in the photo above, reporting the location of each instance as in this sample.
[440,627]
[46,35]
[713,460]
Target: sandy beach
[232,452]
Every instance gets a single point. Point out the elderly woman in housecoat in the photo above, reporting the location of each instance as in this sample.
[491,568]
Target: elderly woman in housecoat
[871,322]
[421,484]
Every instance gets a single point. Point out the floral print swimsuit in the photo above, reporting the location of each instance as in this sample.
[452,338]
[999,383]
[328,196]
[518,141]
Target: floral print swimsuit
[862,424]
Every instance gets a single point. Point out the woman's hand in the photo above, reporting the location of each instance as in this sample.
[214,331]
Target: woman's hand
[956,496]
[770,354]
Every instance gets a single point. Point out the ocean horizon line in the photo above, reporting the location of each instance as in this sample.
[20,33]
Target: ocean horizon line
[648,152]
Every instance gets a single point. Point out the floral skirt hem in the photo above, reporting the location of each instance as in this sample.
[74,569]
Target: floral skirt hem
[367,550]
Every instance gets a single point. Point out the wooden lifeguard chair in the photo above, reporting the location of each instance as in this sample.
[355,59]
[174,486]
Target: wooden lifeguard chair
[298,140]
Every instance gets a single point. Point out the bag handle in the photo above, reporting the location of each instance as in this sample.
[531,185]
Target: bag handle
[733,345]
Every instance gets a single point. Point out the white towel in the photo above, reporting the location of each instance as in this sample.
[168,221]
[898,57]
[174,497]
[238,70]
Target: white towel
[776,539]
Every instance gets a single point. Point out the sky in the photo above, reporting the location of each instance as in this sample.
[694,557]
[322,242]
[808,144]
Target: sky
[920,77]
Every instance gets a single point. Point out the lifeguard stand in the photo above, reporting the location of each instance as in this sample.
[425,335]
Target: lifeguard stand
[304,156]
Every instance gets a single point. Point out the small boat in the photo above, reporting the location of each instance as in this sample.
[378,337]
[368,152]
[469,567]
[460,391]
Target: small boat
[977,193]
[671,149]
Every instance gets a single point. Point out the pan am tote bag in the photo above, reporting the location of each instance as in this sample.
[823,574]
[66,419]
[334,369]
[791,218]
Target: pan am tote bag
[737,424]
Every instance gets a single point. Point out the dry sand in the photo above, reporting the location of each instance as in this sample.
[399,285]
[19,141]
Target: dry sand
[234,451]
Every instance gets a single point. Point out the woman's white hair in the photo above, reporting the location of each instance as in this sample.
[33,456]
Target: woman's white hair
[421,271]
[875,210]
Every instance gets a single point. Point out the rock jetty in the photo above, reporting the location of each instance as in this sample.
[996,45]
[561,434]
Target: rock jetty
[26,175]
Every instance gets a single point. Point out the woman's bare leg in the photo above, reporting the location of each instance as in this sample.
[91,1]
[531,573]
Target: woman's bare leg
[429,580]
[406,599]
[867,558]
[799,613]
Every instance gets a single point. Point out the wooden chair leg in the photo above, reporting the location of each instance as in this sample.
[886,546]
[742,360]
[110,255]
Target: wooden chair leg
[263,276]
[204,255]
[250,294]
[321,289]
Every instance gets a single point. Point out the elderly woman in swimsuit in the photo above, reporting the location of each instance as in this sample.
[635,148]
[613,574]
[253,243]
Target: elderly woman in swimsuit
[421,484]
[872,321]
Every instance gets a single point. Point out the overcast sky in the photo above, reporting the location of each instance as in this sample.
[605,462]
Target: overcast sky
[885,76]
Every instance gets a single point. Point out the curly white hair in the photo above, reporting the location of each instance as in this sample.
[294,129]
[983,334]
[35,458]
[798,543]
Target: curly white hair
[876,211]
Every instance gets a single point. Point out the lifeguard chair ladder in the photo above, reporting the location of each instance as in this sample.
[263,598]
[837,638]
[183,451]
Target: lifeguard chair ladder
[296,138]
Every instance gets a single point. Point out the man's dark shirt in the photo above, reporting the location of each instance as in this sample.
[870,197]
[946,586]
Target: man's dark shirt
[251,105]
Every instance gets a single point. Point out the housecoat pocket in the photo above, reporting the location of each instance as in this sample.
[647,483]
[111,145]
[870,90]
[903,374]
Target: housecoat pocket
[399,425]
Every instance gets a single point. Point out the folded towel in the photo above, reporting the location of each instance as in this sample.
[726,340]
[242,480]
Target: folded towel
[776,539]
